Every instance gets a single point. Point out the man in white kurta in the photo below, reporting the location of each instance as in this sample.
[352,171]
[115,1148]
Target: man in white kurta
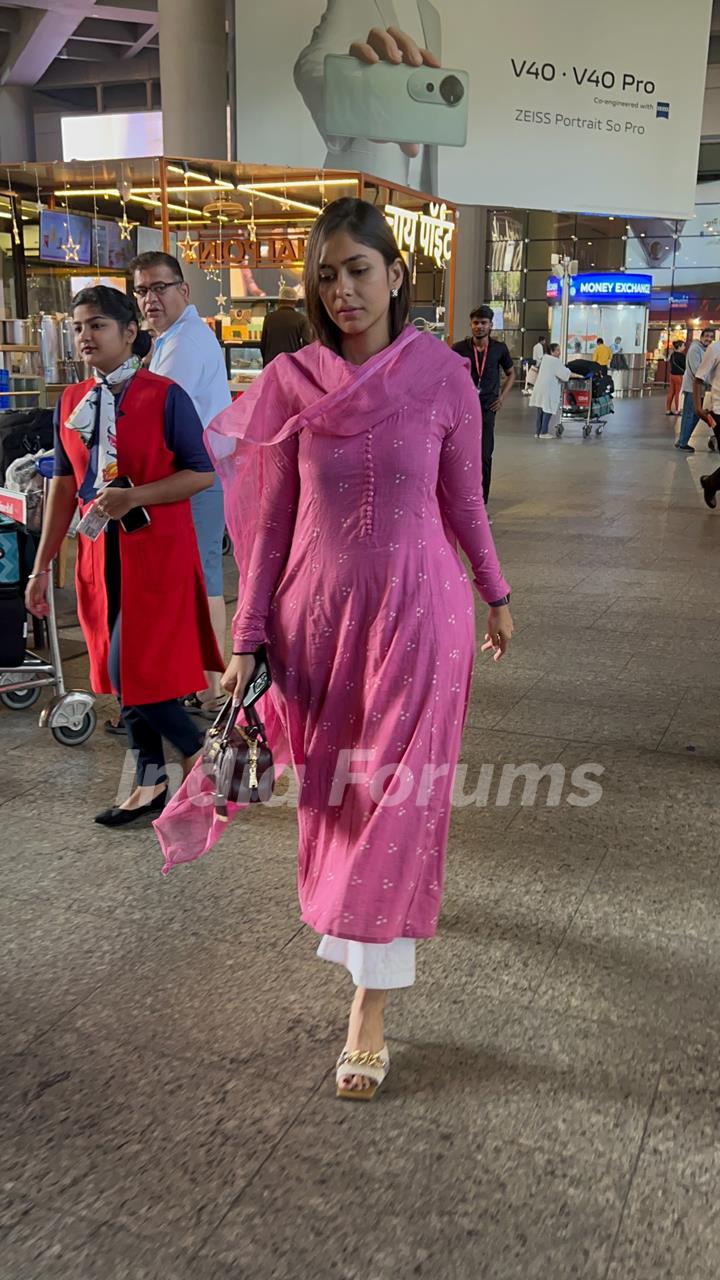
[547,391]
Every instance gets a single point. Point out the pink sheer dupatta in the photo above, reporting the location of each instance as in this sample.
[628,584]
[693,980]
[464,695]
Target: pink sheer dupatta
[265,414]
[314,388]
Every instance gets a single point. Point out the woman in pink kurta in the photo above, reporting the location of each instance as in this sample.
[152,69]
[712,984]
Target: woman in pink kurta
[366,447]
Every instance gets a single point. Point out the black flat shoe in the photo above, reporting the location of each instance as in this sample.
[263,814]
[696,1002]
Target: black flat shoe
[117,817]
[193,705]
[686,448]
[708,492]
[116,728]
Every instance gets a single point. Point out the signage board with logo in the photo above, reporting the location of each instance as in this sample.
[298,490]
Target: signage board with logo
[13,506]
[604,286]
[542,110]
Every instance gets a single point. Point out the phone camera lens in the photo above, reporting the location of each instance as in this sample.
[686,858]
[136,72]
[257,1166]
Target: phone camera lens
[452,90]
[430,86]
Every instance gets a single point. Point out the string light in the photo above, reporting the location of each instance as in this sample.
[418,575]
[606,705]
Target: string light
[252,227]
[72,250]
[124,224]
[220,297]
[11,194]
[96,237]
[187,246]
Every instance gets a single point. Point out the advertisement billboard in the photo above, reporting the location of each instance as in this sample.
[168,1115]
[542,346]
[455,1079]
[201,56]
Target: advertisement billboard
[537,110]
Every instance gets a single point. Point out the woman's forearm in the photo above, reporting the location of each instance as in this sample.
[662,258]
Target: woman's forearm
[173,488]
[59,512]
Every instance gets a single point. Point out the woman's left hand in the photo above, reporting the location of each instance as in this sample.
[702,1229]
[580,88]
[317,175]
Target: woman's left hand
[499,631]
[114,503]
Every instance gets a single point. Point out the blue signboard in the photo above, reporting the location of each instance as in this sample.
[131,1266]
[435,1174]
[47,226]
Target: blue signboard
[604,286]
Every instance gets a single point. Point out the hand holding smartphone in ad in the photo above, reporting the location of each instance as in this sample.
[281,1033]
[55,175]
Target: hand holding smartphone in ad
[387,90]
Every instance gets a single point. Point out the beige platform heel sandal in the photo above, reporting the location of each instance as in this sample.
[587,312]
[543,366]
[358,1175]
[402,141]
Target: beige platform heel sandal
[374,1066]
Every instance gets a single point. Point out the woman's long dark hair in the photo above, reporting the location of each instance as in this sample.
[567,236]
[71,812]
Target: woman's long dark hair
[116,306]
[366,224]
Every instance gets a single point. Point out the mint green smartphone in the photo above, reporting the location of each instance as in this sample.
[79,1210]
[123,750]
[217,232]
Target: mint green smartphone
[391,103]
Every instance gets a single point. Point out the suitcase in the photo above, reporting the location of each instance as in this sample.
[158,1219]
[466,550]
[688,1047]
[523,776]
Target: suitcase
[23,431]
[13,618]
[9,554]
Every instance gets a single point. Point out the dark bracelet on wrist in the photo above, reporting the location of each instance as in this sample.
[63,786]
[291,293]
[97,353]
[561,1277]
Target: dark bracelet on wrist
[243,653]
[497,604]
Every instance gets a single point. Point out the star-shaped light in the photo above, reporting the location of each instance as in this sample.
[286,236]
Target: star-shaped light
[125,226]
[72,250]
[188,248]
[221,300]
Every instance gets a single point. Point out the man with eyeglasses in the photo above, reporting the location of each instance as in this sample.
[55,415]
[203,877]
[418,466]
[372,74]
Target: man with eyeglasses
[187,352]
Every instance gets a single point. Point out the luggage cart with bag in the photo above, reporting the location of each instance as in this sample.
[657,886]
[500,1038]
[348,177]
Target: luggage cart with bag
[588,400]
[70,715]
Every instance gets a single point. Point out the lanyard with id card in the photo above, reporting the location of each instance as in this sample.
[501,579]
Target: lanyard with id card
[480,367]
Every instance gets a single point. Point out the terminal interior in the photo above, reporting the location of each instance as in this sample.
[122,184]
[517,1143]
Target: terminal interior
[168,1104]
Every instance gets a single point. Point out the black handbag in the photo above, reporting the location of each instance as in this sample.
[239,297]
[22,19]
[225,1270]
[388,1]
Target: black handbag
[238,759]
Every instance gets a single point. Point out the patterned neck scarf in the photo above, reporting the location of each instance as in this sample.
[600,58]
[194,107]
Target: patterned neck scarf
[83,417]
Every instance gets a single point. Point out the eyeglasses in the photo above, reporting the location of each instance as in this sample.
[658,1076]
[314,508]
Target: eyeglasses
[160,288]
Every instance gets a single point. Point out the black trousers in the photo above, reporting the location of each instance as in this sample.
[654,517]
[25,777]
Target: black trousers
[488,446]
[148,724]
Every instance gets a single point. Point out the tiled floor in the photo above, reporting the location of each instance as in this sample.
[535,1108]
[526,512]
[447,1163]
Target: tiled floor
[166,1105]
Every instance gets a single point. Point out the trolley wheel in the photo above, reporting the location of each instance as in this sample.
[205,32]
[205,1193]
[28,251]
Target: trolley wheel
[68,737]
[587,430]
[559,429]
[599,430]
[19,699]
[226,544]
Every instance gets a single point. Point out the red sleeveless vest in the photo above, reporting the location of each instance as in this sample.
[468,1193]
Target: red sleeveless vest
[166,638]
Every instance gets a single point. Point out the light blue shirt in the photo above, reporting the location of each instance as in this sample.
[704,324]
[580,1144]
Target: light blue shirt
[190,354]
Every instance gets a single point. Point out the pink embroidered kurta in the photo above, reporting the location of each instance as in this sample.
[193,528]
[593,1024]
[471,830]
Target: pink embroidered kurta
[368,475]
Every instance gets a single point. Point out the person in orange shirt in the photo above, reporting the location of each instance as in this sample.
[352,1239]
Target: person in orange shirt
[602,354]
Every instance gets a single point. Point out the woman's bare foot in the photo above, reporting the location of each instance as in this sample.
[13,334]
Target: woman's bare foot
[366,1029]
[143,795]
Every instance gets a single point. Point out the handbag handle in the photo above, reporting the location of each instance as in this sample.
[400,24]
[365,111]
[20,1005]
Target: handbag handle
[225,722]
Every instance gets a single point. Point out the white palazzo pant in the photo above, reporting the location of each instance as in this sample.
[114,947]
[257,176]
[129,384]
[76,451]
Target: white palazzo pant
[381,966]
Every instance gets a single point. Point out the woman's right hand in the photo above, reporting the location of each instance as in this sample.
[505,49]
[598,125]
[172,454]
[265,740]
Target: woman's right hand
[394,46]
[237,674]
[36,596]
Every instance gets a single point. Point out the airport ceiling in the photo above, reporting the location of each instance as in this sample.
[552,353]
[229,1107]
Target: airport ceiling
[65,49]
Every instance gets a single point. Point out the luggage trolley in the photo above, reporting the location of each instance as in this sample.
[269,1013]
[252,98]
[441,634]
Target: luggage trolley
[580,405]
[70,715]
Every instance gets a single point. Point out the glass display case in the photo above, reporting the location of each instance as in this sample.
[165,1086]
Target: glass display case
[243,362]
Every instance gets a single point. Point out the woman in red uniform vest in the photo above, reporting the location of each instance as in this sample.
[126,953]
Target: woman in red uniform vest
[141,599]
